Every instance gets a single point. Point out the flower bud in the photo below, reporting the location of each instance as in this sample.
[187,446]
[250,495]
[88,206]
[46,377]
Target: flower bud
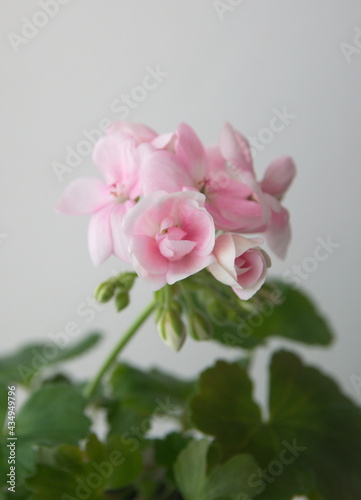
[171,329]
[126,280]
[199,326]
[121,300]
[105,291]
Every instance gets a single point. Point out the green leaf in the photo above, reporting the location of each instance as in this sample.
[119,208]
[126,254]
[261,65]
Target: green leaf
[191,468]
[224,405]
[52,415]
[124,421]
[149,392]
[58,485]
[167,450]
[310,406]
[117,461]
[229,479]
[312,440]
[276,310]
[75,473]
[33,359]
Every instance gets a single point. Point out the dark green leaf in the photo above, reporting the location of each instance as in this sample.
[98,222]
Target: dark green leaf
[52,415]
[312,440]
[151,392]
[168,449]
[118,462]
[90,473]
[224,405]
[33,359]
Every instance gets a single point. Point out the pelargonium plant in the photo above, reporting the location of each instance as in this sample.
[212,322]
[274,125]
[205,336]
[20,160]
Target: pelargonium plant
[191,222]
[173,208]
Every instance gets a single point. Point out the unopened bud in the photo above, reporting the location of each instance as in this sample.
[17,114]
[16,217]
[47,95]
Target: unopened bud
[171,329]
[199,326]
[126,281]
[121,300]
[105,291]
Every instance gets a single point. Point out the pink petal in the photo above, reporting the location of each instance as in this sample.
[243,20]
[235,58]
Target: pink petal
[141,219]
[236,149]
[83,196]
[200,228]
[146,251]
[120,241]
[190,264]
[278,234]
[162,171]
[225,253]
[99,235]
[115,157]
[253,266]
[190,150]
[155,281]
[175,249]
[279,176]
[243,244]
[165,141]
[140,132]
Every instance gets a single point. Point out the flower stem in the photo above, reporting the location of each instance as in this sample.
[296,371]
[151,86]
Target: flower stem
[93,384]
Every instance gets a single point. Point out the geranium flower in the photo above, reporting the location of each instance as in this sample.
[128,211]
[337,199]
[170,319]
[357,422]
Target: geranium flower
[170,236]
[118,157]
[240,263]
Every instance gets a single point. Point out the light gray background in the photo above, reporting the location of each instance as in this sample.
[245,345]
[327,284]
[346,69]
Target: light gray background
[263,55]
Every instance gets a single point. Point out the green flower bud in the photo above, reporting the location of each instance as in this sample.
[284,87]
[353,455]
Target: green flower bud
[125,281]
[121,300]
[171,329]
[105,291]
[199,326]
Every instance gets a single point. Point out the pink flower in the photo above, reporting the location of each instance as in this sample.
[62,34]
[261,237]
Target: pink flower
[224,175]
[118,157]
[240,263]
[262,212]
[170,236]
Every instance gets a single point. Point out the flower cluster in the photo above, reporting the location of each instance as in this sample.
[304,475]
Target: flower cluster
[171,206]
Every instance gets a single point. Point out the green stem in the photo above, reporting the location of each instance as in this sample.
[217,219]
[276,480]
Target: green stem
[93,384]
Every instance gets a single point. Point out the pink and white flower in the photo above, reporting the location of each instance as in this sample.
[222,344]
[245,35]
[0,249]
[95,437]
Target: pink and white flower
[233,197]
[170,237]
[118,157]
[240,263]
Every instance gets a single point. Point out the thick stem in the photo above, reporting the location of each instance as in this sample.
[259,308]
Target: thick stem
[93,384]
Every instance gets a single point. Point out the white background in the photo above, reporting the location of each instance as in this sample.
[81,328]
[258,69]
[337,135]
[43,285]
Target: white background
[240,66]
